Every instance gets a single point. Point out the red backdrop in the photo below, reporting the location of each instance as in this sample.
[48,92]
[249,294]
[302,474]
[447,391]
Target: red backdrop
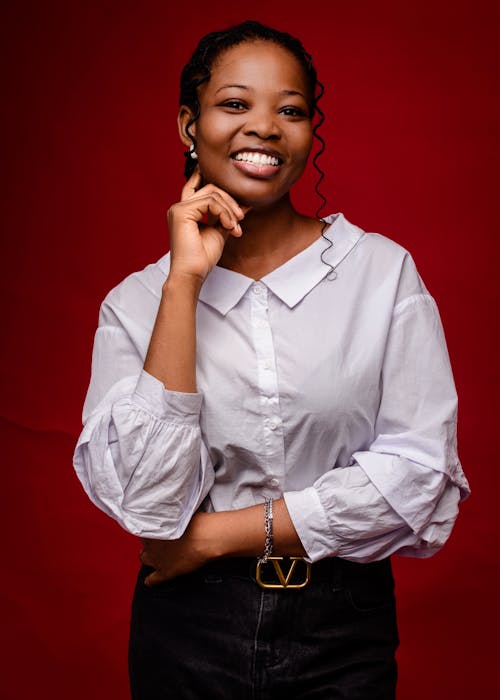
[92,162]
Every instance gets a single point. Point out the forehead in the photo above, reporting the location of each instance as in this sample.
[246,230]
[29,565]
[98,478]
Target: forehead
[259,63]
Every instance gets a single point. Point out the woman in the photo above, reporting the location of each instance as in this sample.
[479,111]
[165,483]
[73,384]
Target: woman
[277,386]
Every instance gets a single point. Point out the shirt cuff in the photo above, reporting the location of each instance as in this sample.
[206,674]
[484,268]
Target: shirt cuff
[182,407]
[310,522]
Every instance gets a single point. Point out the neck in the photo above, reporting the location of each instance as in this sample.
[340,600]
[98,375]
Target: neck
[271,236]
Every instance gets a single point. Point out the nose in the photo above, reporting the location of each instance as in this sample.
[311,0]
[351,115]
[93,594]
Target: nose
[263,123]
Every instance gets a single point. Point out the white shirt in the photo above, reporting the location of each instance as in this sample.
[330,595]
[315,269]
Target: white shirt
[336,393]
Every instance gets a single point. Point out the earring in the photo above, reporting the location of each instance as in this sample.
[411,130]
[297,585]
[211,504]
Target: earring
[192,152]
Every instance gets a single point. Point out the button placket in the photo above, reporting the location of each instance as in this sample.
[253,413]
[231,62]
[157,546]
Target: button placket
[268,385]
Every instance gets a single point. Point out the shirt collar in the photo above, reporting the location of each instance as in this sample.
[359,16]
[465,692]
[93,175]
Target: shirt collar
[223,288]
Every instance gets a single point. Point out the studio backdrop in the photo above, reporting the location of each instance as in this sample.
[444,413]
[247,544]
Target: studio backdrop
[91,163]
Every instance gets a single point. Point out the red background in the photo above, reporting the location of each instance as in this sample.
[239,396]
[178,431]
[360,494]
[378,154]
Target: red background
[92,162]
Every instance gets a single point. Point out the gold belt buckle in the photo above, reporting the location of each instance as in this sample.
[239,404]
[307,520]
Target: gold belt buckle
[283,580]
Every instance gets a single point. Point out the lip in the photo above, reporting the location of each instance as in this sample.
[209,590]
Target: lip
[264,172]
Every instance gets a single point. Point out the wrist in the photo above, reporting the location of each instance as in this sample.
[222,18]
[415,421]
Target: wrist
[242,533]
[183,283]
[206,532]
[234,533]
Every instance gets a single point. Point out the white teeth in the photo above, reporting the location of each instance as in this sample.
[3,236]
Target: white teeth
[256,158]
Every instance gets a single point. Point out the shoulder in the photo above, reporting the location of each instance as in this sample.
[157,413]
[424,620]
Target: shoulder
[378,259]
[376,247]
[365,244]
[136,298]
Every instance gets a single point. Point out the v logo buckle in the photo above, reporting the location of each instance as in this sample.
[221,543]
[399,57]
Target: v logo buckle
[283,581]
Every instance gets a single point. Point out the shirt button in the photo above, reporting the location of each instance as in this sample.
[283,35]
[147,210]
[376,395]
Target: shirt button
[258,288]
[266,364]
[274,482]
[273,425]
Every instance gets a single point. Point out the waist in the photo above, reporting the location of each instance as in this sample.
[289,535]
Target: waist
[294,572]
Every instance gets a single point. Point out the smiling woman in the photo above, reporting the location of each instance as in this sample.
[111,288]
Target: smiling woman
[272,431]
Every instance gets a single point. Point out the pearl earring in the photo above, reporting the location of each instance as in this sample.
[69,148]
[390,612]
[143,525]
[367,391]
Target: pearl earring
[192,152]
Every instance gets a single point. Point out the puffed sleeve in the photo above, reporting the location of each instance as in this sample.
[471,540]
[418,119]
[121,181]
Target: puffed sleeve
[402,493]
[140,457]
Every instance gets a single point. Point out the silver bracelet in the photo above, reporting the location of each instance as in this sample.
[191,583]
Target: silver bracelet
[268,526]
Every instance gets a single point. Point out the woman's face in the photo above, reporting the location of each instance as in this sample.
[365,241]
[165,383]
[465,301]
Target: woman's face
[254,132]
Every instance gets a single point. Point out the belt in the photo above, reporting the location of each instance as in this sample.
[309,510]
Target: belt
[280,573]
[275,573]
[290,573]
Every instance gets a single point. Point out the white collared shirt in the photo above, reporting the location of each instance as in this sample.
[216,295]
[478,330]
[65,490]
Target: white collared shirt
[334,393]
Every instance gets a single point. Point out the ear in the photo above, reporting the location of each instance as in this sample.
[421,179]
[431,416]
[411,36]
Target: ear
[183,119]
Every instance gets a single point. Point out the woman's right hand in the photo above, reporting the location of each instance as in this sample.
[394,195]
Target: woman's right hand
[196,247]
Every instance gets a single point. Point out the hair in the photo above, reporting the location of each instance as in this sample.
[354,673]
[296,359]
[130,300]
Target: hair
[198,71]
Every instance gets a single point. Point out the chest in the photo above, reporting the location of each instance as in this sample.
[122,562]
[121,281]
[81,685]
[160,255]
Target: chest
[264,363]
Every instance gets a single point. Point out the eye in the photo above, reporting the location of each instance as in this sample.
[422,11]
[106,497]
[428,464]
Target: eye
[234,105]
[294,112]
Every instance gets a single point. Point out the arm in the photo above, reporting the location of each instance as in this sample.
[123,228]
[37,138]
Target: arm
[402,493]
[140,456]
[194,249]
[233,533]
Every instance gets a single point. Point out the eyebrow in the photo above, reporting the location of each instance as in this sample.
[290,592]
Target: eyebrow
[293,92]
[223,87]
[245,87]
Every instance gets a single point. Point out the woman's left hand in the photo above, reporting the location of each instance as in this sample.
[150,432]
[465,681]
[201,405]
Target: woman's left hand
[171,558]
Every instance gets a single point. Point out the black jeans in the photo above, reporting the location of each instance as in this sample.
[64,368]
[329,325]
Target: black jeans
[216,634]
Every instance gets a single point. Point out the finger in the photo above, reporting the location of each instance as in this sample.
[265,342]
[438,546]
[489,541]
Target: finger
[145,558]
[212,223]
[224,215]
[154,579]
[191,186]
[213,204]
[197,207]
[239,212]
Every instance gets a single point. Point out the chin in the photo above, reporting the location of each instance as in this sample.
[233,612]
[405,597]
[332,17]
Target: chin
[256,195]
[246,191]
[257,202]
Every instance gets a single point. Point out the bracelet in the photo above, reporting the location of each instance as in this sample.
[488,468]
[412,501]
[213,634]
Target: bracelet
[268,526]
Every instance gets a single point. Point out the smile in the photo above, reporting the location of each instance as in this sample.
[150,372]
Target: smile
[256,158]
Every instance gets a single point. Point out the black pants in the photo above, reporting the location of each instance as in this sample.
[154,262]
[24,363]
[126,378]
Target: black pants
[216,634]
